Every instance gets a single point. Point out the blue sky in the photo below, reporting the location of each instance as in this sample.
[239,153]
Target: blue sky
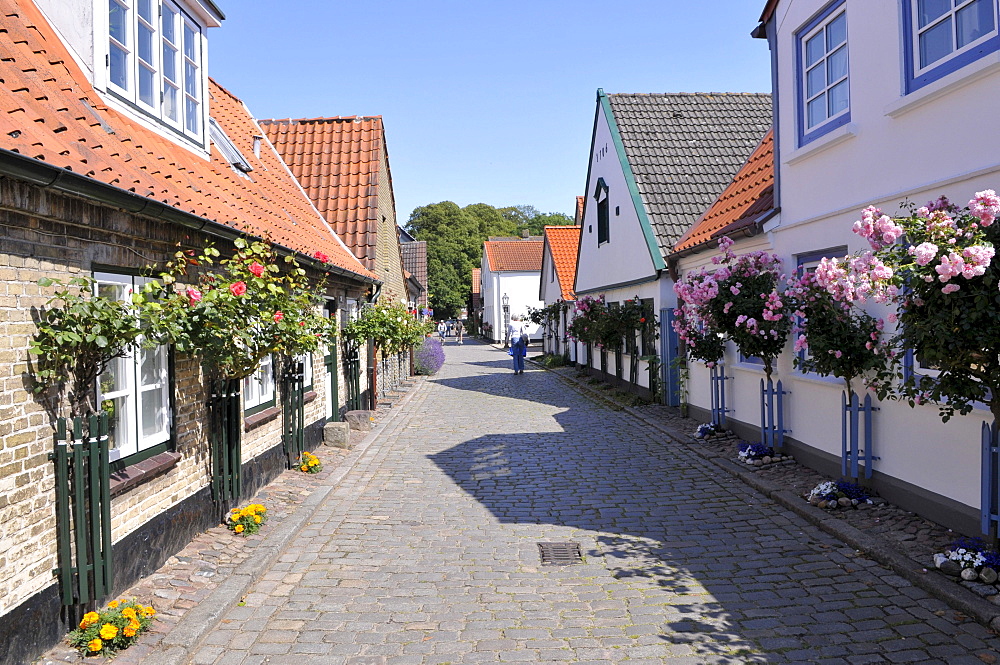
[482,100]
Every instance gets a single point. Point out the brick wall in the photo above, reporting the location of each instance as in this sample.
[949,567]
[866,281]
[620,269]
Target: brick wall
[48,235]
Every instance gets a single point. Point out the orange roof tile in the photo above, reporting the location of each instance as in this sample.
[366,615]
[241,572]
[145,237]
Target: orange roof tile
[514,255]
[580,200]
[338,161]
[564,244]
[749,195]
[50,112]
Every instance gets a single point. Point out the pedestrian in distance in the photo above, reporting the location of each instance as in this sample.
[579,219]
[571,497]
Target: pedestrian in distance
[441,330]
[459,329]
[518,334]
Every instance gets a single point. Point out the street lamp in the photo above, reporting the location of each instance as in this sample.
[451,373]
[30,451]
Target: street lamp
[506,320]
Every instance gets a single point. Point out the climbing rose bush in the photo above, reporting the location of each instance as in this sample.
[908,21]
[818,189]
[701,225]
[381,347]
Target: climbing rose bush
[833,337]
[936,267]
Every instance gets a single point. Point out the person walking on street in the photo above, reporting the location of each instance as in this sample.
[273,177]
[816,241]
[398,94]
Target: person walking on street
[459,329]
[518,334]
[441,329]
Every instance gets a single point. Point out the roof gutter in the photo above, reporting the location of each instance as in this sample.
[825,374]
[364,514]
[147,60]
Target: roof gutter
[48,176]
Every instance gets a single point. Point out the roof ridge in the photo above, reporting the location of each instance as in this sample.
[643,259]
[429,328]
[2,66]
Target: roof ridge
[319,120]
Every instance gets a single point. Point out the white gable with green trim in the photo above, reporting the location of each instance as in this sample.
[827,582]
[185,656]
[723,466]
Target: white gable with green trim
[629,256]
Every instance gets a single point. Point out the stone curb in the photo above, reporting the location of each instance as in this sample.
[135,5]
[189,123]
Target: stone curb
[183,640]
[919,575]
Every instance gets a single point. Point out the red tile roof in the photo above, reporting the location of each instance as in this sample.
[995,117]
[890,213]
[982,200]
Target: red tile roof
[742,202]
[564,244]
[338,161]
[580,200]
[514,255]
[50,112]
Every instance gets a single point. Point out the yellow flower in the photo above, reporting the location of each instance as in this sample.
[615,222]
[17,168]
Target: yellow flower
[239,528]
[113,605]
[148,611]
[313,462]
[134,625]
[89,619]
[304,467]
[128,613]
[257,518]
[129,631]
[95,644]
[108,631]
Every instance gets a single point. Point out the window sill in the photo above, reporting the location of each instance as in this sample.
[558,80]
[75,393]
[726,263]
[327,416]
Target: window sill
[828,140]
[261,417]
[969,74]
[812,377]
[748,367]
[140,472]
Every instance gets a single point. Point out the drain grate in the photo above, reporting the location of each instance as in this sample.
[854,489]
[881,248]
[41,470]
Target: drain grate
[560,554]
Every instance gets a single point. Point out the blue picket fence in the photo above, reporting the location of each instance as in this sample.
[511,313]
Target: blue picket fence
[772,415]
[990,503]
[855,415]
[718,393]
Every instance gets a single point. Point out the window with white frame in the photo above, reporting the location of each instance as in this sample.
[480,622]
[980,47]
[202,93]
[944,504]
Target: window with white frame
[135,389]
[155,61]
[258,388]
[823,82]
[942,36]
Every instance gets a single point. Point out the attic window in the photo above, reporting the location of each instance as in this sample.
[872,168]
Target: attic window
[228,149]
[154,61]
[603,216]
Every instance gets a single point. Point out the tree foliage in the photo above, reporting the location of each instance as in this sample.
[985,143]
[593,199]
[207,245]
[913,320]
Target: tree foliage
[455,239]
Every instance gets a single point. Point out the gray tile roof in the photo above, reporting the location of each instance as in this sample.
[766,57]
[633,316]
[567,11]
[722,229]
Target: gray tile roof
[685,148]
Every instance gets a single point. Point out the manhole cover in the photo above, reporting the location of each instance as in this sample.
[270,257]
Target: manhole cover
[560,553]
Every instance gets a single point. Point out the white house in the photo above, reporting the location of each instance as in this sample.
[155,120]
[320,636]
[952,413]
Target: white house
[510,273]
[875,103]
[657,161]
[556,286]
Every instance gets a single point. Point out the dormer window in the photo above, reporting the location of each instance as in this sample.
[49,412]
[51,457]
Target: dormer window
[155,61]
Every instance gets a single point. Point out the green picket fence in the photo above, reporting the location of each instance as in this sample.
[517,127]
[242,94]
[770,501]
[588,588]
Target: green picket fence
[83,509]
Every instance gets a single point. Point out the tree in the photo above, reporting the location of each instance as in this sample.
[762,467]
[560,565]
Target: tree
[455,239]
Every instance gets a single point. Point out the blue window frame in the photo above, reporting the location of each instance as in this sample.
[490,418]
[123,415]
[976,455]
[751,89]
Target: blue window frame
[807,263]
[943,36]
[822,81]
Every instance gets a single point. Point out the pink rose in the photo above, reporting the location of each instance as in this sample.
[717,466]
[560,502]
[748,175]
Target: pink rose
[194,295]
[257,269]
[238,289]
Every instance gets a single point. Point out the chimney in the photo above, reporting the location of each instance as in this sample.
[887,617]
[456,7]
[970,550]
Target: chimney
[524,233]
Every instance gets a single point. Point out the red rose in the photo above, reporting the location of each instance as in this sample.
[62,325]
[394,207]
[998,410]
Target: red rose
[257,269]
[320,256]
[238,289]
[302,323]
[642,320]
[278,316]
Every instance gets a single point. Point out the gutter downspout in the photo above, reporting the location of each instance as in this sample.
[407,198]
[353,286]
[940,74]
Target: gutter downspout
[49,177]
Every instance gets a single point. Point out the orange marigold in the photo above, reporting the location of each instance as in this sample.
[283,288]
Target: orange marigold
[128,613]
[304,467]
[95,644]
[129,631]
[113,605]
[148,611]
[239,528]
[108,631]
[257,519]
[89,619]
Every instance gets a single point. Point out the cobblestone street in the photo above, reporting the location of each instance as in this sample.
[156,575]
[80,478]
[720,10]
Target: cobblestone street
[426,551]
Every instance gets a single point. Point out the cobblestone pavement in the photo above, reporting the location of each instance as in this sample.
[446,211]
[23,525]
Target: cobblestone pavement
[425,551]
